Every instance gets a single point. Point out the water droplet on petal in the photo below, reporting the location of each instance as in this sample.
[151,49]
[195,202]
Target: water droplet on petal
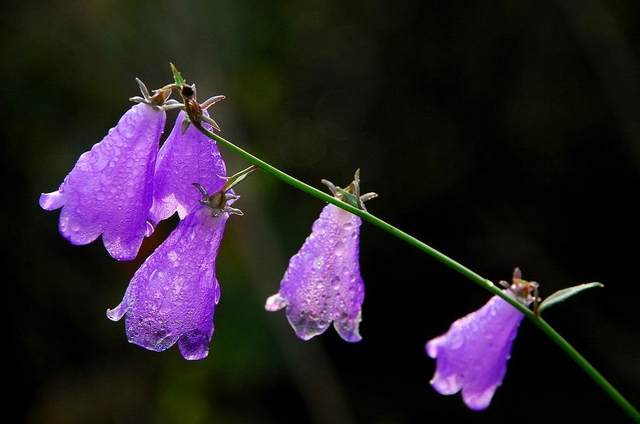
[173,257]
[99,161]
[129,131]
[317,227]
[216,295]
[335,282]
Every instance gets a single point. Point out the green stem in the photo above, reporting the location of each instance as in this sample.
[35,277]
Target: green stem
[483,282]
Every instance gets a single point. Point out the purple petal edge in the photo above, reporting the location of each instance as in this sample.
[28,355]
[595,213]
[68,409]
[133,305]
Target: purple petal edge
[172,297]
[323,283]
[109,190]
[472,356]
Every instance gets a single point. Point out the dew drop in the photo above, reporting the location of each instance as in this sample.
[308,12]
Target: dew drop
[99,161]
[339,249]
[173,257]
[161,335]
[335,282]
[154,277]
[317,227]
[129,131]
[216,295]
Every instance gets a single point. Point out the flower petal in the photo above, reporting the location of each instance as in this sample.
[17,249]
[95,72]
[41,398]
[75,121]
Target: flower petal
[473,354]
[182,161]
[52,201]
[110,187]
[172,297]
[323,283]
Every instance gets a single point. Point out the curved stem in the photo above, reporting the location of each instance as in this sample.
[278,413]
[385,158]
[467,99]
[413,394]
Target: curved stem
[456,266]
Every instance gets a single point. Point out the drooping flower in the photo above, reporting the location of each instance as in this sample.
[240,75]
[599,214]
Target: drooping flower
[185,158]
[472,356]
[172,296]
[323,283]
[109,190]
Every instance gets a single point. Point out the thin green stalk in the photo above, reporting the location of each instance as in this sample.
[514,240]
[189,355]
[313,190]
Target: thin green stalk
[483,282]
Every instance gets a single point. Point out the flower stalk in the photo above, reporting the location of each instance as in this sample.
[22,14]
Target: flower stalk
[195,116]
[622,402]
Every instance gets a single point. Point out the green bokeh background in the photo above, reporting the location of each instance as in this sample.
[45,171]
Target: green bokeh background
[502,133]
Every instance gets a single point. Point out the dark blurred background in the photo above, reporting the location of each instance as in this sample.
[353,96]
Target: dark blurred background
[502,133]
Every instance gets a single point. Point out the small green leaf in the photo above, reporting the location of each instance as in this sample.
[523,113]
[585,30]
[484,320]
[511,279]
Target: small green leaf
[176,75]
[564,294]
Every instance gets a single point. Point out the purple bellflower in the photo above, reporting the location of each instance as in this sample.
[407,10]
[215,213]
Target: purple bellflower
[109,190]
[186,156]
[323,283]
[172,296]
[472,356]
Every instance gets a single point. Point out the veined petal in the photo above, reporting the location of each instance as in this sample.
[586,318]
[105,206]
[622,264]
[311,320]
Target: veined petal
[109,190]
[172,297]
[182,161]
[323,283]
[472,356]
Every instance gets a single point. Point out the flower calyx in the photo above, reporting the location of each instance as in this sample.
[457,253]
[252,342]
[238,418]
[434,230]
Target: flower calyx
[191,106]
[525,291]
[160,98]
[220,201]
[351,194]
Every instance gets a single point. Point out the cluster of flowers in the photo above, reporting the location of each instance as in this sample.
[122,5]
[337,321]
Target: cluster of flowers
[125,185]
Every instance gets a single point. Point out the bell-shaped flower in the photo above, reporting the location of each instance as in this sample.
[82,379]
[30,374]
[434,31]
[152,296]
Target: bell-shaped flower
[323,283]
[109,190]
[472,356]
[172,296]
[185,157]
